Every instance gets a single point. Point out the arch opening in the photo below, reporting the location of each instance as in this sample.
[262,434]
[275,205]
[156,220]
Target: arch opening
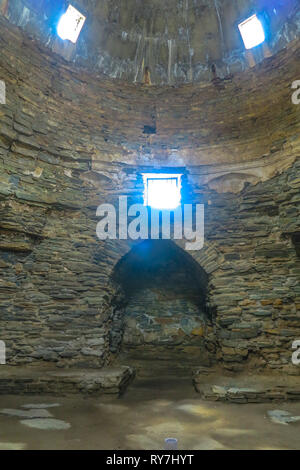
[161,321]
[296,242]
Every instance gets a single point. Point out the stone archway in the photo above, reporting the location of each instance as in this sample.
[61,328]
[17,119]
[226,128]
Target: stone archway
[161,314]
[208,257]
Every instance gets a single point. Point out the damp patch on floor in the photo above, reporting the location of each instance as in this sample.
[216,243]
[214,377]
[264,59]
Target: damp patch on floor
[38,406]
[32,413]
[282,417]
[46,424]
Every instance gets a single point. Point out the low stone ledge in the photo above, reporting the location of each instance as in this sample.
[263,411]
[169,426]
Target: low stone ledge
[106,381]
[213,384]
[247,395]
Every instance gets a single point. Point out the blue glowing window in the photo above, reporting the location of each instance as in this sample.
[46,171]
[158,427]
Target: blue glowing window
[70,24]
[162,191]
[252,32]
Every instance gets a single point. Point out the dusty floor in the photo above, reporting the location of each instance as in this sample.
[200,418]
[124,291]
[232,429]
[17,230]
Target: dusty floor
[147,414]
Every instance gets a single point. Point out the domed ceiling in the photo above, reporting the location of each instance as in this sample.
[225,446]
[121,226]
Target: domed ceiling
[177,41]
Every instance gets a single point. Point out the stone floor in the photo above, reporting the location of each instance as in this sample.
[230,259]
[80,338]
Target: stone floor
[149,412]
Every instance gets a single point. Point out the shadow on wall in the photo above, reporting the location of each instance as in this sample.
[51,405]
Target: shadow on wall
[296,242]
[161,313]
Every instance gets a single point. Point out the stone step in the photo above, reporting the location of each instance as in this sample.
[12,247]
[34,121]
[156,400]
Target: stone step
[26,381]
[236,389]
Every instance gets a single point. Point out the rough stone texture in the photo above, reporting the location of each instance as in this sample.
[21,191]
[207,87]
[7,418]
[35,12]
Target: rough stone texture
[177,40]
[245,395]
[245,388]
[77,121]
[107,381]
[70,140]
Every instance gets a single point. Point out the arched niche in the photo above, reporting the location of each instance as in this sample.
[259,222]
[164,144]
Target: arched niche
[161,318]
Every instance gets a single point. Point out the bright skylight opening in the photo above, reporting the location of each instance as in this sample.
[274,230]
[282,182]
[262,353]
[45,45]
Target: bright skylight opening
[252,32]
[162,191]
[70,24]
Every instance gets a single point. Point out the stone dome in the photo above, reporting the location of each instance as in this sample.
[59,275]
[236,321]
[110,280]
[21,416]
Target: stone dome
[174,41]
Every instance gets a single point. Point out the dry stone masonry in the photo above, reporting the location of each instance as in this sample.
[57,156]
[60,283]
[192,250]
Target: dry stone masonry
[70,140]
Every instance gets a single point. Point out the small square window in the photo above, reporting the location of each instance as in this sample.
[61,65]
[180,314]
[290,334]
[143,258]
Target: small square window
[252,32]
[162,191]
[70,24]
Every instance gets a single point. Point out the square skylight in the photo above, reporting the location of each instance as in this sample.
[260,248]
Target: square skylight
[252,32]
[162,191]
[70,24]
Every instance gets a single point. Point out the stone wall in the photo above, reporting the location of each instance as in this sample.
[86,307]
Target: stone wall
[70,140]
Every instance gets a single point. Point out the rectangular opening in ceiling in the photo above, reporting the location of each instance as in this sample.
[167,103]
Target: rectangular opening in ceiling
[252,32]
[70,24]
